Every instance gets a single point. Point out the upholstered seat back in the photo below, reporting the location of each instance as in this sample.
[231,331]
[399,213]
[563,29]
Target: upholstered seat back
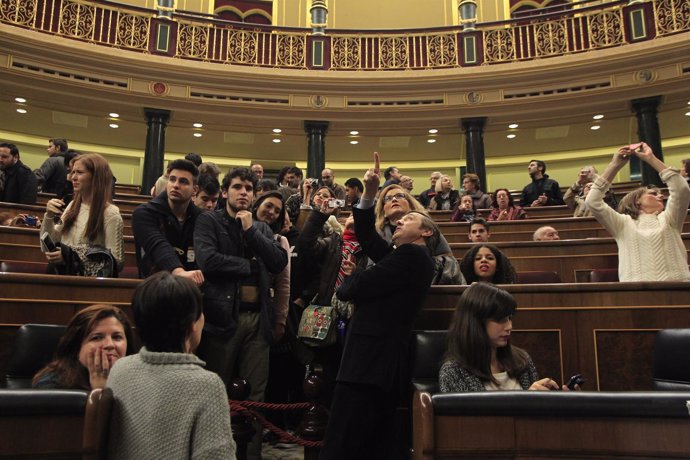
[672,360]
[428,348]
[34,347]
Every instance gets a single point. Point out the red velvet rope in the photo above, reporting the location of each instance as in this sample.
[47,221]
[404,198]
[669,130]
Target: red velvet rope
[242,407]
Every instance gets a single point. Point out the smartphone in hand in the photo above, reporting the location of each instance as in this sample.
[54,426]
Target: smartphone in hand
[48,242]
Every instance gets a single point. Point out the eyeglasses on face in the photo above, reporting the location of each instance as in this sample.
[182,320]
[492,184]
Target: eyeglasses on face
[397,196]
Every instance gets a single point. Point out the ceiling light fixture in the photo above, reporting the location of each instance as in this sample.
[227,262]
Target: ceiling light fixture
[511,136]
[431,141]
[354,133]
[687,114]
[513,125]
[276,141]
[21,100]
[277,130]
[21,110]
[354,142]
[433,131]
[198,125]
[594,127]
[597,117]
[197,134]
[114,125]
[114,115]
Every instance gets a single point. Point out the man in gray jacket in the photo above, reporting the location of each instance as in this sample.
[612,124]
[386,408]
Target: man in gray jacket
[52,174]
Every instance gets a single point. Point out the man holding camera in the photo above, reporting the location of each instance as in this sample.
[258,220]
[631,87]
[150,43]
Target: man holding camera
[328,179]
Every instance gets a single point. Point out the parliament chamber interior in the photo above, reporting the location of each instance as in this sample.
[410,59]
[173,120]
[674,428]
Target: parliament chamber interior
[467,90]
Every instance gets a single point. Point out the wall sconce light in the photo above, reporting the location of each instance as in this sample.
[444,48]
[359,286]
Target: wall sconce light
[468,14]
[319,16]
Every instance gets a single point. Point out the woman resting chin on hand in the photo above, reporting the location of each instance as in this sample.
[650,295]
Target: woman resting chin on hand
[95,338]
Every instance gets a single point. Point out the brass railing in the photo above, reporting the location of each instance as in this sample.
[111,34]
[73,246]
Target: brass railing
[557,34]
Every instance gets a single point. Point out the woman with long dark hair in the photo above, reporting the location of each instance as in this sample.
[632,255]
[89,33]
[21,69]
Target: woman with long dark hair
[95,338]
[480,356]
[485,262]
[90,219]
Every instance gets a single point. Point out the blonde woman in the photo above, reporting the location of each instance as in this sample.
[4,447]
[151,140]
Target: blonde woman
[650,247]
[446,197]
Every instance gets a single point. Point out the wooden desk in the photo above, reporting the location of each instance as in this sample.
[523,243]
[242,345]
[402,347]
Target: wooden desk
[126,205]
[527,224]
[14,209]
[553,248]
[565,425]
[30,236]
[32,253]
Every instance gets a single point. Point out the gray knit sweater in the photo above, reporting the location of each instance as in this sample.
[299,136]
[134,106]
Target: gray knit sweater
[454,378]
[168,406]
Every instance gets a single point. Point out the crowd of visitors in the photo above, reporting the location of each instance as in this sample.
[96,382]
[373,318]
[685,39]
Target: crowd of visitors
[232,266]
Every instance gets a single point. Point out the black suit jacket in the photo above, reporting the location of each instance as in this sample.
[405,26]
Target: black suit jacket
[387,297]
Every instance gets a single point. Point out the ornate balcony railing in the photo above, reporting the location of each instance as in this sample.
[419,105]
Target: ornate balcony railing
[185,36]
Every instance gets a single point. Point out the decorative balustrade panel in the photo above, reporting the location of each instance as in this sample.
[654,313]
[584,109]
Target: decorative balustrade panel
[671,16]
[555,37]
[195,38]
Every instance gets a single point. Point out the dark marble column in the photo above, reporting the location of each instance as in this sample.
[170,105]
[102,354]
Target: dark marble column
[156,121]
[648,131]
[474,143]
[316,149]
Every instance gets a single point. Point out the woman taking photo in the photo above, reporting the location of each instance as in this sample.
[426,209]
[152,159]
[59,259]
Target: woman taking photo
[650,247]
[503,207]
[95,338]
[446,197]
[480,356]
[487,263]
[89,221]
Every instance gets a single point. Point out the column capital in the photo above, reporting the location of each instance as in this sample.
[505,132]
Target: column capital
[473,123]
[316,127]
[646,104]
[160,115]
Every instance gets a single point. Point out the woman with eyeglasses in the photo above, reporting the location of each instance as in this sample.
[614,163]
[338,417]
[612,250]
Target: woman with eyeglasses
[650,246]
[393,203]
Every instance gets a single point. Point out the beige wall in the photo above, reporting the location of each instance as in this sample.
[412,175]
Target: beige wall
[509,171]
[361,14]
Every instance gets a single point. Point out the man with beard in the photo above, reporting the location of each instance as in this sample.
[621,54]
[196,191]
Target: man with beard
[542,191]
[20,182]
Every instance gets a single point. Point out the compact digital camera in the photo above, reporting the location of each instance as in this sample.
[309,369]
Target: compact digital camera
[336,203]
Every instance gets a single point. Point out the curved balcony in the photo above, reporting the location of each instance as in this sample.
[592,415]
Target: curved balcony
[191,37]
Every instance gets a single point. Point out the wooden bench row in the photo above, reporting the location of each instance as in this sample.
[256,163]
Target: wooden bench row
[522,229]
[571,259]
[566,425]
[603,330]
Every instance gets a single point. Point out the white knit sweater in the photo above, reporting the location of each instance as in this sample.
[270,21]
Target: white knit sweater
[111,238]
[650,248]
[168,406]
